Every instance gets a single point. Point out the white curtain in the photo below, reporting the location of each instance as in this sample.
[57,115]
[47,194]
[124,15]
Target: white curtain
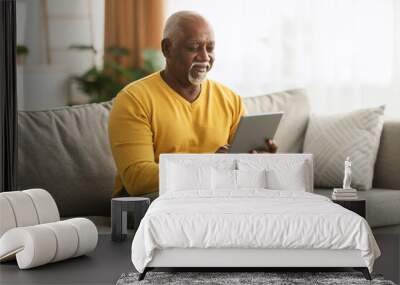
[345,52]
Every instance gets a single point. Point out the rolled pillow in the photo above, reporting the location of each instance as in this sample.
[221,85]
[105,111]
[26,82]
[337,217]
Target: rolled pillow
[40,244]
[87,233]
[32,246]
[67,239]
[26,208]
[45,205]
[23,209]
[7,220]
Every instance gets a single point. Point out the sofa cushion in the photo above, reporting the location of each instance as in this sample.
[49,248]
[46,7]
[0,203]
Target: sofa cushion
[334,137]
[388,161]
[383,205]
[296,108]
[66,152]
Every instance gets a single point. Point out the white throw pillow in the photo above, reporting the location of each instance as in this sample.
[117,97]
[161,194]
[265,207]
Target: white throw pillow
[224,179]
[251,178]
[332,138]
[227,179]
[292,174]
[183,177]
[290,179]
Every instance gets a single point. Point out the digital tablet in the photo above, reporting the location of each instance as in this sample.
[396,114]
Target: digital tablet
[253,130]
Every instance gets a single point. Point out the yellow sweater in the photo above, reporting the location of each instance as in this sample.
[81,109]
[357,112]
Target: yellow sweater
[149,118]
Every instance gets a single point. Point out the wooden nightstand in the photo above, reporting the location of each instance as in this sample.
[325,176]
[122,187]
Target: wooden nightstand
[357,205]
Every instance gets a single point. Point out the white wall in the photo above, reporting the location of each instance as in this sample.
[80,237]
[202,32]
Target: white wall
[75,22]
[346,53]
[30,30]
[50,27]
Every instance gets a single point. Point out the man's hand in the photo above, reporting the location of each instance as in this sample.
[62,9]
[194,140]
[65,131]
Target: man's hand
[270,147]
[223,149]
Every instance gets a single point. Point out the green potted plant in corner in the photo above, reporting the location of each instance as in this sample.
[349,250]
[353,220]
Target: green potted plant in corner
[103,83]
[22,52]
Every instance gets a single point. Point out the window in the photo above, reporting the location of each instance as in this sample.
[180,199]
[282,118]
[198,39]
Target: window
[346,53]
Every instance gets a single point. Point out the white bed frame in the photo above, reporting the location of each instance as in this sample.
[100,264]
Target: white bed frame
[234,257]
[250,258]
[241,259]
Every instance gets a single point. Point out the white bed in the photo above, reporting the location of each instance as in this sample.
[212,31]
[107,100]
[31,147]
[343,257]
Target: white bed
[247,210]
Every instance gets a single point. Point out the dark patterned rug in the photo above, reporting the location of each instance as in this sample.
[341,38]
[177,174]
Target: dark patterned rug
[273,278]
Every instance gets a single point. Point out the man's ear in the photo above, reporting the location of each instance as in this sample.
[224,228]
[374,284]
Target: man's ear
[166,47]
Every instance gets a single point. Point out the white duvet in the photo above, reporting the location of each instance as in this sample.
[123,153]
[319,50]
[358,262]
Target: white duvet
[252,218]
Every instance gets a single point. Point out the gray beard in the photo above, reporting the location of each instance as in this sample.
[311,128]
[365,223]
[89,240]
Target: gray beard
[196,81]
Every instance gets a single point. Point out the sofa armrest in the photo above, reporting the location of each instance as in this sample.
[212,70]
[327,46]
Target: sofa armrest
[387,164]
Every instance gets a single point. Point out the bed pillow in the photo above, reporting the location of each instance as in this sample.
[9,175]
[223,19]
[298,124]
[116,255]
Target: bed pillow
[251,178]
[292,174]
[223,179]
[182,177]
[227,179]
[332,138]
[293,179]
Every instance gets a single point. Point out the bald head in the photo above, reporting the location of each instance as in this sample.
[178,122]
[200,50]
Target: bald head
[188,46]
[177,22]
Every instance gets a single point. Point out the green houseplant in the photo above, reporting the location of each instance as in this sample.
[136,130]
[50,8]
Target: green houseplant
[22,52]
[103,83]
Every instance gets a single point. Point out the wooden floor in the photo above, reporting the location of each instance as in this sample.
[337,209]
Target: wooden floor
[110,260]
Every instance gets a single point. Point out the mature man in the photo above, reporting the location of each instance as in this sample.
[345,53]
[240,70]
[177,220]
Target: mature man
[176,110]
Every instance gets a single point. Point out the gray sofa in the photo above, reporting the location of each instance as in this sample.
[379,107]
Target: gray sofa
[66,152]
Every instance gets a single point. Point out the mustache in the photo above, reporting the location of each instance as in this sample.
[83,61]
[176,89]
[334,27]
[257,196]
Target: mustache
[201,64]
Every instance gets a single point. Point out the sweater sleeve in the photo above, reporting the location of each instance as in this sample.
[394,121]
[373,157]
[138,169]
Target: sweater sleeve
[131,140]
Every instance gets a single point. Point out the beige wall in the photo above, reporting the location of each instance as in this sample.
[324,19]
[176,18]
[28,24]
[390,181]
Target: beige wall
[48,28]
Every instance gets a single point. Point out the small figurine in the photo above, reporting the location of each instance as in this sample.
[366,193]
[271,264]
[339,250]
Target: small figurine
[347,174]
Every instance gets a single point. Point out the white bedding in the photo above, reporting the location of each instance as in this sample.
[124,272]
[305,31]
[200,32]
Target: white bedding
[251,218]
